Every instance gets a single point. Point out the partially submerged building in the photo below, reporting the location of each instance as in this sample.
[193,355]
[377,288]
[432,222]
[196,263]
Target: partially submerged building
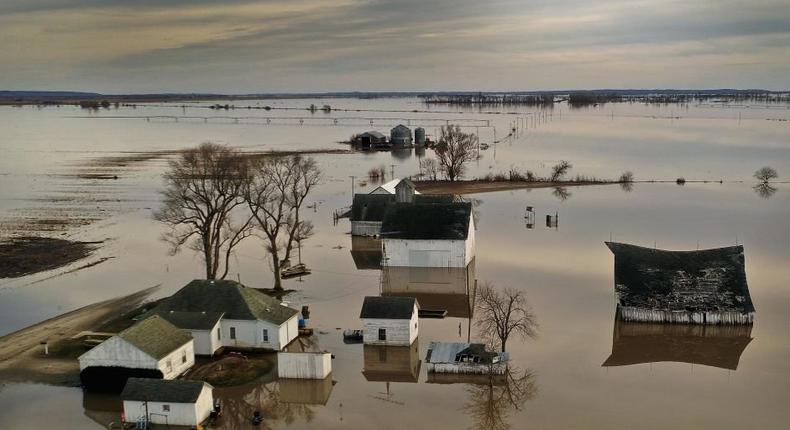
[389,320]
[464,358]
[428,235]
[156,401]
[709,345]
[688,287]
[400,135]
[203,326]
[151,348]
[304,365]
[370,139]
[249,318]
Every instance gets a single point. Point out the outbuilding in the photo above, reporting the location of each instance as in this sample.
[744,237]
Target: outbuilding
[428,235]
[464,358]
[370,139]
[152,348]
[203,326]
[156,401]
[389,320]
[304,365]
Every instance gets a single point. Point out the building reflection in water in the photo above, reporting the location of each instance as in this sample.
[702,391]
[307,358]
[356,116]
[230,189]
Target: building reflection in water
[443,291]
[366,252]
[710,345]
[105,409]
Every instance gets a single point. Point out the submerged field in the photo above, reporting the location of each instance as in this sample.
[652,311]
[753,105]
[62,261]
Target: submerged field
[99,180]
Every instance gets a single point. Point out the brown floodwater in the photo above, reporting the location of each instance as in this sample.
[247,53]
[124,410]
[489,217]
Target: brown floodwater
[582,371]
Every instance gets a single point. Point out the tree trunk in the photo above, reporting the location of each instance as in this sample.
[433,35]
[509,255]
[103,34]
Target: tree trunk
[210,274]
[504,341]
[276,266]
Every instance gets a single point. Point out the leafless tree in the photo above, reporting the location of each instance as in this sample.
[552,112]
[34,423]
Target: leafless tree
[502,314]
[454,149]
[274,191]
[765,174]
[491,403]
[306,176]
[765,190]
[560,170]
[429,168]
[562,193]
[201,197]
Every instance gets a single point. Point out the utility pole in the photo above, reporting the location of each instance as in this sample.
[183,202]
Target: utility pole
[352,186]
[392,170]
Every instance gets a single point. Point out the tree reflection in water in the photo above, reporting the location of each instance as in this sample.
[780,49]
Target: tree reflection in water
[627,186]
[240,403]
[765,190]
[491,403]
[561,193]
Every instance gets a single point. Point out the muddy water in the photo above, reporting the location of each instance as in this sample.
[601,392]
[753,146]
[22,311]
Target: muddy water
[567,272]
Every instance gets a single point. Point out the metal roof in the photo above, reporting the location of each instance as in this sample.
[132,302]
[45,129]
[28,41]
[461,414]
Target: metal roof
[395,308]
[155,336]
[163,390]
[447,352]
[233,299]
[389,187]
[444,221]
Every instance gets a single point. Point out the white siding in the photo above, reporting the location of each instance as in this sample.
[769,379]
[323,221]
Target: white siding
[183,414]
[249,334]
[427,253]
[116,352]
[288,331]
[304,365]
[400,332]
[206,342]
[365,228]
[173,364]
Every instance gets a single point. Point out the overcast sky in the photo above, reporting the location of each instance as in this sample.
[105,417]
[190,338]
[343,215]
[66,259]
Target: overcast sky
[117,46]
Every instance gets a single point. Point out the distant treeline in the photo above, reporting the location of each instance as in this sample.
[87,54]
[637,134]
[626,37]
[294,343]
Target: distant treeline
[593,98]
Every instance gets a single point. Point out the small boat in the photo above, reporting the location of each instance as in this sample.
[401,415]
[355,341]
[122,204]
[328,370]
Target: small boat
[352,336]
[295,270]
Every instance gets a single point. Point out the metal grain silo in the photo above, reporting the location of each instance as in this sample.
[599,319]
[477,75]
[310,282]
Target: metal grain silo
[400,135]
[419,136]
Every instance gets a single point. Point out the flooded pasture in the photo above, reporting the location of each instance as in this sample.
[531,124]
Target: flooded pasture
[99,176]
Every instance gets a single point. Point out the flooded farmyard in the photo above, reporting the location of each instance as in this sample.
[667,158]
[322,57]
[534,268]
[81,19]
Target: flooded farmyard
[100,175]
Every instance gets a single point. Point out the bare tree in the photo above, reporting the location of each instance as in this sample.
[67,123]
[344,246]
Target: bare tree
[429,168]
[765,190]
[454,149]
[560,170]
[765,174]
[202,192]
[275,189]
[502,314]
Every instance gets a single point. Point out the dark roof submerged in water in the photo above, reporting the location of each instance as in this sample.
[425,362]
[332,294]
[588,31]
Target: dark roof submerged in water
[392,308]
[161,390]
[705,280]
[442,221]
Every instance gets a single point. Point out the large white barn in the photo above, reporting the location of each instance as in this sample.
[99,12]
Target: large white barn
[179,402]
[428,235]
[249,319]
[389,320]
[152,347]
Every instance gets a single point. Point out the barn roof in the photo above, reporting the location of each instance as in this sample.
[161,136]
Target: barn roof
[448,352]
[394,308]
[233,299]
[162,390]
[192,320]
[389,187]
[155,336]
[443,221]
[697,281]
[375,134]
[370,207]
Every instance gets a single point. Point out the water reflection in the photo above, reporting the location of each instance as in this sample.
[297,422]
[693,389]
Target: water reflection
[281,402]
[102,408]
[710,345]
[492,401]
[366,252]
[561,193]
[765,191]
[392,363]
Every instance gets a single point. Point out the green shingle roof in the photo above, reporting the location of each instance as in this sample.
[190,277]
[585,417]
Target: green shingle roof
[192,320]
[370,207]
[162,390]
[233,299]
[155,336]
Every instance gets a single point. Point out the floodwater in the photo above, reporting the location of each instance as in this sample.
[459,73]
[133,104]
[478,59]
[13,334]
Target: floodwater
[581,371]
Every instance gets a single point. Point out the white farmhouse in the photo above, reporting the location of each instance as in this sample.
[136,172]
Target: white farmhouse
[151,348]
[428,235]
[156,401]
[249,319]
[203,326]
[389,320]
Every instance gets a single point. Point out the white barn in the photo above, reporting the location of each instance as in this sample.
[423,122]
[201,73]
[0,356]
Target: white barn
[179,402]
[428,235]
[389,320]
[152,347]
[250,319]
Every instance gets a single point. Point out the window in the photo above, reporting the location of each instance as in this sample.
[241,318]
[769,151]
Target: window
[265,335]
[165,408]
[382,334]
[184,357]
[219,333]
[233,332]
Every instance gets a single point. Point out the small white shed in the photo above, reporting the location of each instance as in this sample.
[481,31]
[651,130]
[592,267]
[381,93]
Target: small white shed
[179,402]
[389,320]
[152,344]
[203,326]
[304,365]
